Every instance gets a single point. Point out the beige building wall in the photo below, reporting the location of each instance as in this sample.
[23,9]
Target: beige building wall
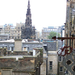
[43,67]
[18,45]
[37,34]
[6,72]
[52,57]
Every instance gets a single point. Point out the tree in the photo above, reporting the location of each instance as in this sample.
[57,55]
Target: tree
[52,34]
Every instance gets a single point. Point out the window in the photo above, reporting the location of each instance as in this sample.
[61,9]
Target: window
[25,49]
[12,48]
[59,58]
[28,48]
[18,27]
[50,65]
[12,37]
[9,37]
[15,37]
[18,37]
[61,68]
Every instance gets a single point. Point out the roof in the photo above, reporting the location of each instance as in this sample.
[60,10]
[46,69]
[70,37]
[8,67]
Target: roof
[23,41]
[11,40]
[51,27]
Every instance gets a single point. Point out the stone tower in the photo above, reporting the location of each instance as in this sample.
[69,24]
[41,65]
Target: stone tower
[28,32]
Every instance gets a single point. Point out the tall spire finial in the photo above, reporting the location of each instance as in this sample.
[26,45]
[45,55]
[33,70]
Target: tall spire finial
[28,10]
[28,4]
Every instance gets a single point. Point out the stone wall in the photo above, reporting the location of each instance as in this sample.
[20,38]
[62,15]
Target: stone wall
[17,53]
[43,67]
[25,64]
[4,52]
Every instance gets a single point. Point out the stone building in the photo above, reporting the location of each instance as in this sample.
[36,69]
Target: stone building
[28,31]
[4,37]
[50,58]
[46,31]
[13,32]
[38,36]
[68,62]
[20,47]
[20,57]
[20,62]
[1,28]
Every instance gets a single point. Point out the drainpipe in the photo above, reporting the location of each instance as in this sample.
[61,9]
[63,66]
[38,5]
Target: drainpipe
[47,63]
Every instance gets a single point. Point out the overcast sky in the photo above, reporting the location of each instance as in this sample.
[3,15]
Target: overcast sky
[44,12]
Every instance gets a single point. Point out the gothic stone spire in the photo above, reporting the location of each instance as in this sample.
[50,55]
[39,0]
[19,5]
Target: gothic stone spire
[28,32]
[28,10]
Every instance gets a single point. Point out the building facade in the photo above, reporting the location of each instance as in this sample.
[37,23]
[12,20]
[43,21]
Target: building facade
[50,58]
[13,32]
[23,44]
[38,36]
[46,31]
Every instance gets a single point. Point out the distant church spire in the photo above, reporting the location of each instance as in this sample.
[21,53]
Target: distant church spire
[28,16]
[28,10]
[28,4]
[28,32]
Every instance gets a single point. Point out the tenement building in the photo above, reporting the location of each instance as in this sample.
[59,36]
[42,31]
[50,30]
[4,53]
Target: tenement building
[11,32]
[46,31]
[50,58]
[28,31]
